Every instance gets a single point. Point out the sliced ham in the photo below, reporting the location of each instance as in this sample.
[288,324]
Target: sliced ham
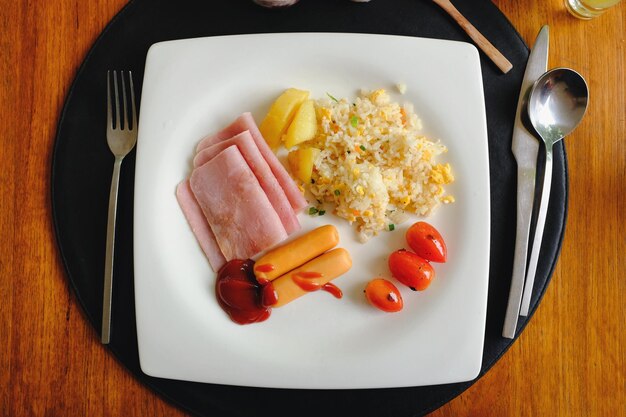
[246,122]
[261,170]
[199,225]
[236,207]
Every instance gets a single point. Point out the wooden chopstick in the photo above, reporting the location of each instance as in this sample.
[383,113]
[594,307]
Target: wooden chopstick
[482,42]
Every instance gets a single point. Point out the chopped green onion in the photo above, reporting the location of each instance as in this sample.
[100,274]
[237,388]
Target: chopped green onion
[332,98]
[313,211]
[322,212]
[392,227]
[337,192]
[362,147]
[354,121]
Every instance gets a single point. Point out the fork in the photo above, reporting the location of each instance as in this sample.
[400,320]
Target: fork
[121,138]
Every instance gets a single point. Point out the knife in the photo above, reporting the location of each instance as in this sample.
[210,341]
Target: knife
[525,148]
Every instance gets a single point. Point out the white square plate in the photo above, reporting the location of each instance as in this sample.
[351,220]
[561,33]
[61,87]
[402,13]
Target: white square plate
[195,87]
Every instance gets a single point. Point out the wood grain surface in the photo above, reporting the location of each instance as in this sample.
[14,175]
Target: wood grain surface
[570,361]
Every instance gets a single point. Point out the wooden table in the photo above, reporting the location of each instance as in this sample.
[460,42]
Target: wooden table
[570,361]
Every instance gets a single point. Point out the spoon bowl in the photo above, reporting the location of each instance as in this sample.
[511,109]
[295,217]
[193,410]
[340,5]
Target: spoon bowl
[556,105]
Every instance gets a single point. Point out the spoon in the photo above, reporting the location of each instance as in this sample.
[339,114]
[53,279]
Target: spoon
[556,105]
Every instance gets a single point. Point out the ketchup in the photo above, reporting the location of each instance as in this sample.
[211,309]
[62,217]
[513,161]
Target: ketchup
[331,288]
[306,281]
[269,296]
[247,300]
[239,294]
[265,268]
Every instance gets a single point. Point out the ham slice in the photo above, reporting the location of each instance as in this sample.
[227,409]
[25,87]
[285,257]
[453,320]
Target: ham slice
[199,225]
[236,207]
[261,170]
[246,122]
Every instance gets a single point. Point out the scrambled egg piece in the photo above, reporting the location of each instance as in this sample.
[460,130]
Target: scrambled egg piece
[441,174]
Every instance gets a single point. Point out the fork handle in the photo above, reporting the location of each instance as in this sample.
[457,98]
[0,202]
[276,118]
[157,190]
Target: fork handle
[110,251]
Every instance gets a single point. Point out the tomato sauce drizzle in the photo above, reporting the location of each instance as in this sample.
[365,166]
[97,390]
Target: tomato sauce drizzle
[263,281]
[269,296]
[332,289]
[264,268]
[307,285]
[306,281]
[238,293]
[248,300]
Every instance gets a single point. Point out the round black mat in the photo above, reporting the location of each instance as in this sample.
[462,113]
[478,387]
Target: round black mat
[82,167]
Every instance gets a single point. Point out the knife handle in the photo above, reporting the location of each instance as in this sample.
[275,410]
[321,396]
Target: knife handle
[482,42]
[525,192]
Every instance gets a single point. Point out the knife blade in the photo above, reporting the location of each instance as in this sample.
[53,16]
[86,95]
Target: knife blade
[525,148]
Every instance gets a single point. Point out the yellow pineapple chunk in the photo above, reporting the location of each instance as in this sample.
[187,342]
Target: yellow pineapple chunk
[280,115]
[301,163]
[303,127]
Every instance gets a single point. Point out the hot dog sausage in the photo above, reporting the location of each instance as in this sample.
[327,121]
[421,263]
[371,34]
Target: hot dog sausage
[283,259]
[311,275]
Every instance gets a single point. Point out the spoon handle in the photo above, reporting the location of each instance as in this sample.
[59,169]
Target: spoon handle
[541,222]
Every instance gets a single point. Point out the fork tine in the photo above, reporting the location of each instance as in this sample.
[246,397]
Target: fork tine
[124,102]
[117,101]
[109,109]
[132,100]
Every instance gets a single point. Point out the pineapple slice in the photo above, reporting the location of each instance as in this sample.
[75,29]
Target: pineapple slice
[303,127]
[301,163]
[280,115]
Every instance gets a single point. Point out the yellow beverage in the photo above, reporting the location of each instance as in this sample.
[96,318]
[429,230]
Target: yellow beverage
[600,4]
[588,9]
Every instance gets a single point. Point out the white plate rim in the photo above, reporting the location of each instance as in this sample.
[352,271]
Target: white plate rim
[149,330]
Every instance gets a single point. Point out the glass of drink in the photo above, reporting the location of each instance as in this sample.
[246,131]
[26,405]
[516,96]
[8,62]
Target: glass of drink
[588,9]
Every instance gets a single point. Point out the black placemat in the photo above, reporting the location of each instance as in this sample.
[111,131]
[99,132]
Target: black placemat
[82,167]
